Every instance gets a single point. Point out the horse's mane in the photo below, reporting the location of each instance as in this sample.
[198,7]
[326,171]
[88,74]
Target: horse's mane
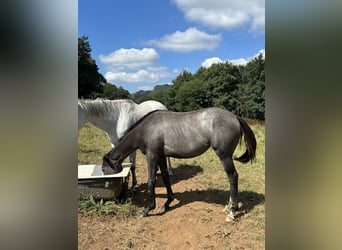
[104,107]
[137,123]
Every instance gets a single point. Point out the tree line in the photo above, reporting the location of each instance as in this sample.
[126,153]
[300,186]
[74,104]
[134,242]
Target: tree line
[238,88]
[91,83]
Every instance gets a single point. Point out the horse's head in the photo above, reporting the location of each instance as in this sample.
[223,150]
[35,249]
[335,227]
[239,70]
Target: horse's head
[110,165]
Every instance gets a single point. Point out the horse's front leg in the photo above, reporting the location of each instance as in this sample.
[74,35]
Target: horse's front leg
[232,205]
[132,159]
[166,179]
[152,168]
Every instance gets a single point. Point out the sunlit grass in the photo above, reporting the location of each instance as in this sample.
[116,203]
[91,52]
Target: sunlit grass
[93,144]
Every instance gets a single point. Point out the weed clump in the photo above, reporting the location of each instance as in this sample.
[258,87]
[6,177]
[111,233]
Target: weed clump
[100,208]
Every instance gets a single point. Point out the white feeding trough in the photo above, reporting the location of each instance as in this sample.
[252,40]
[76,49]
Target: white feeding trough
[92,181]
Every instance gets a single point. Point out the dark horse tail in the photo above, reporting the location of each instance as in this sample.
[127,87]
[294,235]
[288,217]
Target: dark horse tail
[250,142]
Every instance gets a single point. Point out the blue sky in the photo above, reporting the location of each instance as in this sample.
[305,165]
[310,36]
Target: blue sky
[139,44]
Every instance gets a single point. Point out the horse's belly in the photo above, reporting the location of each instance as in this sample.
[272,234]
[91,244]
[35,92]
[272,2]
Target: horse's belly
[184,151]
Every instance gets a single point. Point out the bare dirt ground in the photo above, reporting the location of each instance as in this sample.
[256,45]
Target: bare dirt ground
[195,221]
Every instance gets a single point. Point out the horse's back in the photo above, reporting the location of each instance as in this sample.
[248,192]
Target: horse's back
[152,105]
[205,118]
[204,124]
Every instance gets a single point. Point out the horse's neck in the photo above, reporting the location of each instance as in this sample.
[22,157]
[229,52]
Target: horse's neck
[104,123]
[128,144]
[107,124]
[115,123]
[127,118]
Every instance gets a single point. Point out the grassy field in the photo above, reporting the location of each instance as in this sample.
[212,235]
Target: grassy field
[204,176]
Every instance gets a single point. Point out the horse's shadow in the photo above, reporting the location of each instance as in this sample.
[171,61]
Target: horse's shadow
[180,173]
[249,199]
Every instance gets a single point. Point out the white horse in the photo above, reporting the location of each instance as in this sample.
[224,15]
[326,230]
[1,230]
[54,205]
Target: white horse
[115,117]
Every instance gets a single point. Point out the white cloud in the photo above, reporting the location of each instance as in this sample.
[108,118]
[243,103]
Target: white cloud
[133,66]
[240,61]
[225,14]
[130,77]
[262,51]
[130,58]
[214,60]
[189,40]
[244,61]
[149,74]
[210,61]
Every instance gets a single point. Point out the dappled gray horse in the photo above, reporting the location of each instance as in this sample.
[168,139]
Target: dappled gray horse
[115,117]
[164,134]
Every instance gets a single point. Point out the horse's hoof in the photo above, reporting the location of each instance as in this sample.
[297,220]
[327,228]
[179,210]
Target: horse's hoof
[143,214]
[231,215]
[165,208]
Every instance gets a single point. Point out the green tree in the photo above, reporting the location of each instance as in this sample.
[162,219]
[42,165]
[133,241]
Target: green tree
[220,85]
[169,96]
[90,81]
[240,89]
[111,92]
[157,93]
[252,90]
[190,96]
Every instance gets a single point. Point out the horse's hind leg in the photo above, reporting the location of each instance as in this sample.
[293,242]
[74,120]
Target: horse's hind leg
[166,179]
[170,169]
[233,177]
[132,159]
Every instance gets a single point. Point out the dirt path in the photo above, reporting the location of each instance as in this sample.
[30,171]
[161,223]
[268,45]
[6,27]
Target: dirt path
[195,221]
